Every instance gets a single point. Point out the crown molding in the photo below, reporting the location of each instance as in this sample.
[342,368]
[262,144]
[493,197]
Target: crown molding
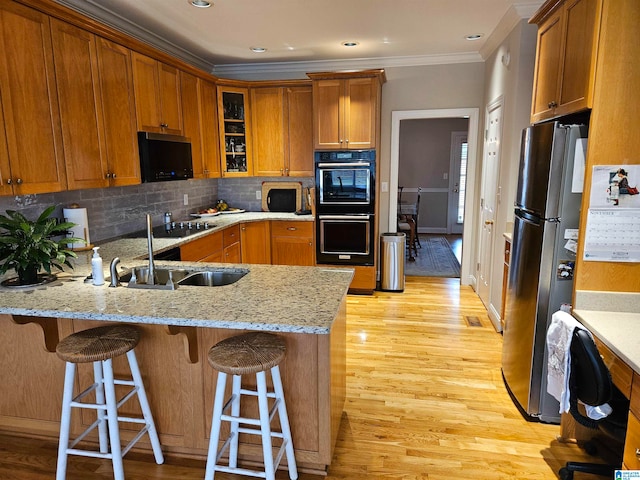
[515,14]
[95,11]
[344,64]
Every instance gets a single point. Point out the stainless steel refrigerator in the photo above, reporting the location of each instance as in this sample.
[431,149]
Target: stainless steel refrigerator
[547,211]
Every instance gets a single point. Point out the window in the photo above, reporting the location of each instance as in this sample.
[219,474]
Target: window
[462,181]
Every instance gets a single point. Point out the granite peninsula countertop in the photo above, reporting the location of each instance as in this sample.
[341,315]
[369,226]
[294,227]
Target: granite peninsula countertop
[270,297]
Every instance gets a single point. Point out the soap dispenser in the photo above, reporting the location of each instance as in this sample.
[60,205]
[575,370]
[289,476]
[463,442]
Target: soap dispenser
[96,268]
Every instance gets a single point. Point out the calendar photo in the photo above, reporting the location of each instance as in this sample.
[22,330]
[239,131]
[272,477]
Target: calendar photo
[615,186]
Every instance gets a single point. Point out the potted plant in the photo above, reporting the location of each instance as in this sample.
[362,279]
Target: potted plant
[28,246]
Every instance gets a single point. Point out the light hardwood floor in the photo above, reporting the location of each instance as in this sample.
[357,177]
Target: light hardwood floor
[425,400]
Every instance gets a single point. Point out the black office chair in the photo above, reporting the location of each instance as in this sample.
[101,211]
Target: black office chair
[590,382]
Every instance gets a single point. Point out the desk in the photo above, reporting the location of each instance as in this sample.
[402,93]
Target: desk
[617,335]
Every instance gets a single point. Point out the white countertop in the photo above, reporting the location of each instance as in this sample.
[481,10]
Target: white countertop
[269,297]
[620,331]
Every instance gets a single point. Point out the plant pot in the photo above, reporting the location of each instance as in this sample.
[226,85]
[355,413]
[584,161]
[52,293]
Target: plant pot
[28,276]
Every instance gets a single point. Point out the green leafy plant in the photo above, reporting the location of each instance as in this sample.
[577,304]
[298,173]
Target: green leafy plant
[28,246]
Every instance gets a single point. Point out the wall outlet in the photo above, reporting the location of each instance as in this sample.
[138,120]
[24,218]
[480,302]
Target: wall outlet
[445,176]
[258,194]
[384,186]
[186,199]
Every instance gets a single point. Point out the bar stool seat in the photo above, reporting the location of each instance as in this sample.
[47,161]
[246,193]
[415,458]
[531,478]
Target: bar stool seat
[249,353]
[99,346]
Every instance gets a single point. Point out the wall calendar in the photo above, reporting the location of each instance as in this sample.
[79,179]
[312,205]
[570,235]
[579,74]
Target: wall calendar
[612,233]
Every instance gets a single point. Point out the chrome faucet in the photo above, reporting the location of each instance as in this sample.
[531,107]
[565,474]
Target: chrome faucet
[115,278]
[152,268]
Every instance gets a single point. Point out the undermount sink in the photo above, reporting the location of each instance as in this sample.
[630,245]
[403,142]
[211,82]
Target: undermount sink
[215,277]
[161,276]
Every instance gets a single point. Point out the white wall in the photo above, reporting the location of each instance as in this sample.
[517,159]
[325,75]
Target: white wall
[429,87]
[514,82]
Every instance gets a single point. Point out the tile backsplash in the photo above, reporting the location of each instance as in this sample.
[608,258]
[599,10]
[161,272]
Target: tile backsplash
[241,192]
[116,211]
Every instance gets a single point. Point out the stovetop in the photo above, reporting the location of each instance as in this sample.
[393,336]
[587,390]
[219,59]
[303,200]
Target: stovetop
[174,230]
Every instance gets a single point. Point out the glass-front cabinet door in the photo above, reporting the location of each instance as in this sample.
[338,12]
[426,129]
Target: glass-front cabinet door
[235,144]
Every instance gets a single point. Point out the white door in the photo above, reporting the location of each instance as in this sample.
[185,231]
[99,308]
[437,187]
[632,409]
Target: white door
[488,198]
[457,182]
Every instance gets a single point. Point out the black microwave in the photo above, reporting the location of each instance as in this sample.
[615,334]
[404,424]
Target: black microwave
[164,157]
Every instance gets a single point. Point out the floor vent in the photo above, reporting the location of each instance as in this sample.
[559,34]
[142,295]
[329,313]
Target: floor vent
[473,321]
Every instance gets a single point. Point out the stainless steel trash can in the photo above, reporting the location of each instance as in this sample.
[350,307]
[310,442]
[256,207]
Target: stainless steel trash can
[392,247]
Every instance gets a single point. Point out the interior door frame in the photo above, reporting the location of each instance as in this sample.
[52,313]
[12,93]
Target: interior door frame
[472,114]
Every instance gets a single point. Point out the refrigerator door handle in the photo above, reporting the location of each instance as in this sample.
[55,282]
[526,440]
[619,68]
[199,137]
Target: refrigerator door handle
[528,217]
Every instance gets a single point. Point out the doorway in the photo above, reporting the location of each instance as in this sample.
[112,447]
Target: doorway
[472,115]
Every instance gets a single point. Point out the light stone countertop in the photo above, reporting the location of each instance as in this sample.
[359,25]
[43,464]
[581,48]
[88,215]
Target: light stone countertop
[270,297]
[620,331]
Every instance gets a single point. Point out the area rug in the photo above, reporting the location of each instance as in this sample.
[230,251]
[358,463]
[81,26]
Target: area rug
[434,259]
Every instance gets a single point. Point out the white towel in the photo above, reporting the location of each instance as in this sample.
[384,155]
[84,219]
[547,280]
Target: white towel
[559,337]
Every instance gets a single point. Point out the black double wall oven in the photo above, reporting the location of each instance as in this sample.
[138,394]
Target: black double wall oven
[345,207]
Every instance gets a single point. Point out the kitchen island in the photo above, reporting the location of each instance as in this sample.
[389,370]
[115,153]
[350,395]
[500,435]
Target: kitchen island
[305,305]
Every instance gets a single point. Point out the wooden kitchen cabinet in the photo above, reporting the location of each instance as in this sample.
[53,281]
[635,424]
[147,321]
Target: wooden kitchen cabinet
[231,252]
[204,249]
[282,137]
[505,279]
[346,110]
[292,243]
[235,131]
[220,246]
[95,88]
[32,161]
[255,242]
[119,111]
[157,88]
[567,48]
[631,458]
[200,124]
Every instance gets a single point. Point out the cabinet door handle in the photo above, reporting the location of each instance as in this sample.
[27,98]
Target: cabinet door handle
[113,175]
[347,140]
[552,104]
[164,125]
[638,453]
[9,181]
[292,229]
[19,181]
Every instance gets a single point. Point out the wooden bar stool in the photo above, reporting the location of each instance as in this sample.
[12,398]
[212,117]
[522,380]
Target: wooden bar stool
[254,352]
[99,346]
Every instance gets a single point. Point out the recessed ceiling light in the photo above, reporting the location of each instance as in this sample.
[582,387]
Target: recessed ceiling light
[350,44]
[258,49]
[200,3]
[474,36]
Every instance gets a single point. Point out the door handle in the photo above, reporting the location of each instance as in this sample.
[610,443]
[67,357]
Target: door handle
[488,222]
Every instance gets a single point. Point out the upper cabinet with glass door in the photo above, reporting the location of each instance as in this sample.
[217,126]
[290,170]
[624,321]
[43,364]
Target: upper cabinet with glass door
[235,144]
